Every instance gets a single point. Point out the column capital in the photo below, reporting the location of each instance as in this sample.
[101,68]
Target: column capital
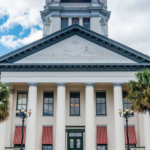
[89,84]
[80,17]
[61,84]
[117,84]
[33,84]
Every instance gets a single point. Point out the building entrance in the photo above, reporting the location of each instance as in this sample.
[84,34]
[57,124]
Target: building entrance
[75,141]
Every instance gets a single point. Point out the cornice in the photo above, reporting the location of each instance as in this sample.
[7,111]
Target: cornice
[89,84]
[73,67]
[61,84]
[32,84]
[68,32]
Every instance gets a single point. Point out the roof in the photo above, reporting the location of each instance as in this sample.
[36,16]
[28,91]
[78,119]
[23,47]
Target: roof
[8,59]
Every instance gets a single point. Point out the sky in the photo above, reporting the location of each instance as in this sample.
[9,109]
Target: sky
[21,24]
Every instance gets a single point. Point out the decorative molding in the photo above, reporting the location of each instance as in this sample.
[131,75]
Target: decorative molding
[117,84]
[89,84]
[33,84]
[61,84]
[73,67]
[68,32]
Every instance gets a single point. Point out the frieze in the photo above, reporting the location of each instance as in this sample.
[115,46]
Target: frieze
[75,50]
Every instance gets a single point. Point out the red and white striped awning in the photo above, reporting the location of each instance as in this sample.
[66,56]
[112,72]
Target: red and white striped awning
[18,135]
[132,135]
[102,135]
[47,135]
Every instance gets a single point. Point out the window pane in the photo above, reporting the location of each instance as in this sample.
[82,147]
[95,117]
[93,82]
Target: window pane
[103,109]
[72,134]
[78,134]
[50,100]
[50,109]
[98,109]
[102,100]
[86,23]
[98,100]
[24,100]
[76,100]
[75,21]
[101,147]
[49,147]
[125,106]
[71,143]
[78,143]
[64,23]
[19,107]
[77,109]
[24,107]
[72,109]
[72,100]
[46,109]
[45,100]
[19,98]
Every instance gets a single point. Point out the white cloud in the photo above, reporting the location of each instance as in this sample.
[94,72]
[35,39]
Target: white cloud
[21,12]
[11,41]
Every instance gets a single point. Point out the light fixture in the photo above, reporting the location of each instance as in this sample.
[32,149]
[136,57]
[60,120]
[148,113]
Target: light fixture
[127,110]
[30,112]
[124,113]
[22,110]
[120,111]
[132,111]
[25,113]
[17,112]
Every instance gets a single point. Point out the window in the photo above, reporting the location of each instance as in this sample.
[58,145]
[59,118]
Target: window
[75,21]
[48,103]
[64,23]
[74,103]
[100,103]
[22,101]
[132,145]
[46,147]
[18,145]
[86,23]
[101,147]
[126,103]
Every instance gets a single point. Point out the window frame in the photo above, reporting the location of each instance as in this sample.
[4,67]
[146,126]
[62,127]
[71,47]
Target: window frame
[89,23]
[21,92]
[75,18]
[61,22]
[16,145]
[70,103]
[47,145]
[123,100]
[101,103]
[48,103]
[102,145]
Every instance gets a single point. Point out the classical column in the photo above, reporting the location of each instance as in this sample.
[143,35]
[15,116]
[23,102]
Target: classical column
[31,121]
[118,121]
[147,130]
[69,21]
[81,21]
[90,127]
[9,121]
[60,116]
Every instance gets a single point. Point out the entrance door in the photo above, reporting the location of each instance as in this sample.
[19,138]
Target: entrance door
[75,141]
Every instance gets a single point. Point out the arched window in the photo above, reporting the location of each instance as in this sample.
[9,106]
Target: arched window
[75,21]
[64,23]
[86,23]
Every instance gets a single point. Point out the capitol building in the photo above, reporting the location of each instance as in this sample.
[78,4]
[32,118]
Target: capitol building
[75,80]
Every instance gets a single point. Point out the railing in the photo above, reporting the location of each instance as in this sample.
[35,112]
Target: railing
[137,148]
[12,148]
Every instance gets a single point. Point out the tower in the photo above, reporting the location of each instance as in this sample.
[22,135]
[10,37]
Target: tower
[59,14]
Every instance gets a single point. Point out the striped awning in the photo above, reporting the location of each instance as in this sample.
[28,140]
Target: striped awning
[102,135]
[18,135]
[132,135]
[47,135]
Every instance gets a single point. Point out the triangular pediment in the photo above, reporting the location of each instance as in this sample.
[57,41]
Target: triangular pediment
[75,49]
[75,44]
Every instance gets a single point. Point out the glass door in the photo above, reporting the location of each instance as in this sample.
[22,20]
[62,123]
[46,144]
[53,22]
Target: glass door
[75,141]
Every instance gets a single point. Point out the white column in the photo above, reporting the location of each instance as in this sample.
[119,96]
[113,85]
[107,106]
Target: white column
[60,116]
[69,21]
[81,21]
[118,121]
[31,121]
[9,121]
[147,130]
[3,132]
[90,128]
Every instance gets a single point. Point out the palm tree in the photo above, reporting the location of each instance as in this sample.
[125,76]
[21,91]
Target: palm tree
[139,92]
[4,102]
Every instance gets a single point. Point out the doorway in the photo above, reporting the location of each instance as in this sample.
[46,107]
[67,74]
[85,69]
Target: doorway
[75,140]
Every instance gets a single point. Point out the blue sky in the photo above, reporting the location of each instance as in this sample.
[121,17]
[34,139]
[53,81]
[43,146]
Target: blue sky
[21,24]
